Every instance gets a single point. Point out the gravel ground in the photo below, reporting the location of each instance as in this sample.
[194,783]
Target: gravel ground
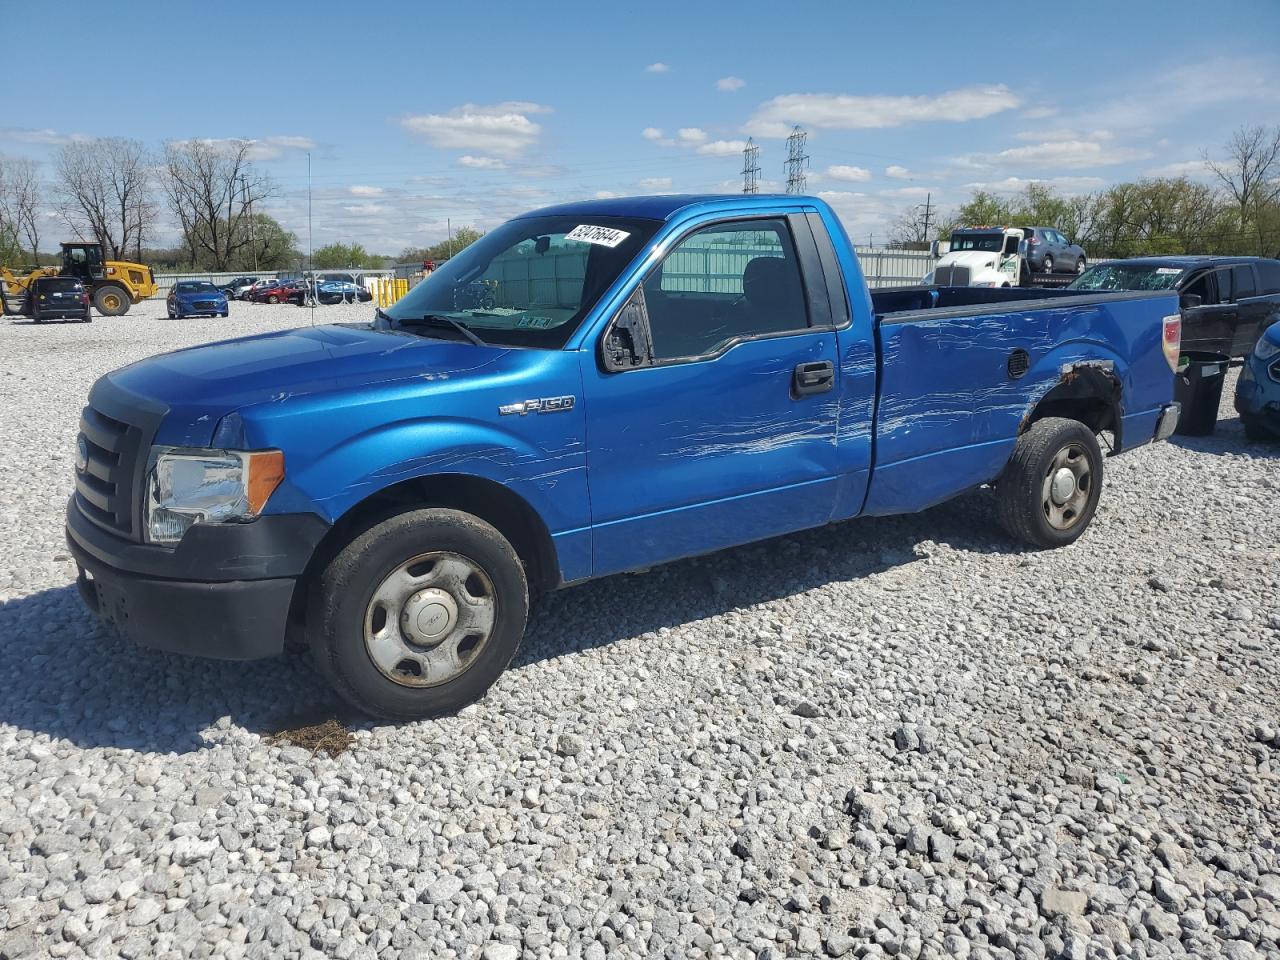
[893,737]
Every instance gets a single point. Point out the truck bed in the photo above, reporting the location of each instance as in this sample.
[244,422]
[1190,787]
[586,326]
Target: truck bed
[953,391]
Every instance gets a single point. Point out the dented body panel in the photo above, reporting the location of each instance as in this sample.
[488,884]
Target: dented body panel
[883,403]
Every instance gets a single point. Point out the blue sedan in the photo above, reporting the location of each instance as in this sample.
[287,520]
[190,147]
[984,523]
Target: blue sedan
[190,298]
[1258,389]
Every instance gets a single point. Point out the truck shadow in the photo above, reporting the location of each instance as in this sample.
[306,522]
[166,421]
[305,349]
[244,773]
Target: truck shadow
[69,677]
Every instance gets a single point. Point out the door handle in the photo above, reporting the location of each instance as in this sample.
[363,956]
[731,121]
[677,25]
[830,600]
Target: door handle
[817,376]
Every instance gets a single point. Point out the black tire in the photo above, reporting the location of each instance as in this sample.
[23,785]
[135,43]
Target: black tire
[1257,431]
[1024,490]
[1048,263]
[1081,266]
[273,299]
[341,601]
[111,301]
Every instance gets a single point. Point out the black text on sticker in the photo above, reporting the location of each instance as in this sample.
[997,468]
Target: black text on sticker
[605,236]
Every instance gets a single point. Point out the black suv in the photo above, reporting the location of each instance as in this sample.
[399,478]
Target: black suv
[58,298]
[1226,301]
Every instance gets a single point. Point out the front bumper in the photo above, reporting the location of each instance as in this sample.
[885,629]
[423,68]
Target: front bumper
[1168,421]
[1257,394]
[224,591]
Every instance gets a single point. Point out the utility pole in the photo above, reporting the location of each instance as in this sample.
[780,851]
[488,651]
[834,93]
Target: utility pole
[253,227]
[750,167]
[928,215]
[797,161]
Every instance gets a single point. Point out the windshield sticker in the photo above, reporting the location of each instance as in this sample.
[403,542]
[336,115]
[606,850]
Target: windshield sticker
[604,236]
[1168,269]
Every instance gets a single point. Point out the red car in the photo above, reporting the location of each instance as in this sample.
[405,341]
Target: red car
[285,291]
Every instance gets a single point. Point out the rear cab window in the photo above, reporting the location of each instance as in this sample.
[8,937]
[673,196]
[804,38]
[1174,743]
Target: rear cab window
[60,285]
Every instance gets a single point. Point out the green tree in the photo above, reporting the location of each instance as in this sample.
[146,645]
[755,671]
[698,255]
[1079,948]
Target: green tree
[462,237]
[344,255]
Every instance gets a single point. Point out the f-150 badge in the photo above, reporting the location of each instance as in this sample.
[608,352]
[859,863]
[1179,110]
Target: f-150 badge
[541,405]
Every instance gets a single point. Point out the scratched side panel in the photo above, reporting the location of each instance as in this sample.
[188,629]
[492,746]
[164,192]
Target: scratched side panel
[949,412]
[343,449]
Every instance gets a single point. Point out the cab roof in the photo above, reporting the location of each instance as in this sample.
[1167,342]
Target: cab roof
[1183,260]
[662,207]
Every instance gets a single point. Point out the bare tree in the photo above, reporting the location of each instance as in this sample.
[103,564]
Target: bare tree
[104,189]
[1251,172]
[211,187]
[911,230]
[20,200]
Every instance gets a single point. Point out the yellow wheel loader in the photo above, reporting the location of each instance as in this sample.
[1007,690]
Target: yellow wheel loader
[113,285]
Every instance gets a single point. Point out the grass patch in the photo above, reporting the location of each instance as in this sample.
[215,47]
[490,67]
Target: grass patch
[329,736]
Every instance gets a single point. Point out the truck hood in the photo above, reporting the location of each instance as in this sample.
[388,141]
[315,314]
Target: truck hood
[200,385]
[973,259]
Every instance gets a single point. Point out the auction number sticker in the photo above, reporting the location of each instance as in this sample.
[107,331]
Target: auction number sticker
[604,236]
[1165,271]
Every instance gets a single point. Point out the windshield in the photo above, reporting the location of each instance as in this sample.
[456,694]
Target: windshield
[196,286]
[985,242]
[530,282]
[1119,276]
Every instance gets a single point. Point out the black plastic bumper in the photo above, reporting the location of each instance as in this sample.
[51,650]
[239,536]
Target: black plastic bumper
[223,592]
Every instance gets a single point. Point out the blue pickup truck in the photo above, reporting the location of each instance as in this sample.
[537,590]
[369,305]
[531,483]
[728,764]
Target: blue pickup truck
[642,380]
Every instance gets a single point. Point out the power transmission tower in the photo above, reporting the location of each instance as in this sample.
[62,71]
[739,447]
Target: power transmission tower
[750,167]
[797,161]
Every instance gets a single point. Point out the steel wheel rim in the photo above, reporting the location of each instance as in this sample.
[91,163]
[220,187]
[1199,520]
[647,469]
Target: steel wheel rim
[1048,264]
[1067,486]
[429,619]
[1080,265]
[111,301]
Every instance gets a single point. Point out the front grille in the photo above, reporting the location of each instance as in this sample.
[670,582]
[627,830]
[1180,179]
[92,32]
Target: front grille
[951,275]
[206,305]
[107,486]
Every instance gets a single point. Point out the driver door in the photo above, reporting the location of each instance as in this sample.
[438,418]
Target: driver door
[724,430]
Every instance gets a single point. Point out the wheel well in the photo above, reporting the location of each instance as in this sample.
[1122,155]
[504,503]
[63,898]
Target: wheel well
[1089,393]
[497,505]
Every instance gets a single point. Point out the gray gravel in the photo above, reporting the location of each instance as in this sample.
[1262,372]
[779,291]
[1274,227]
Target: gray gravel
[898,737]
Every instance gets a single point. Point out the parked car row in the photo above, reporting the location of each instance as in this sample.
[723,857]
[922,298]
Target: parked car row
[323,288]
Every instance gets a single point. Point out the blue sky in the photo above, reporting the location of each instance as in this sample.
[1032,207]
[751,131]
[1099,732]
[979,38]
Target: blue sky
[419,113]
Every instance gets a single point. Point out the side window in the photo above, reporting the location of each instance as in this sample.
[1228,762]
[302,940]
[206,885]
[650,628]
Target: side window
[1268,276]
[1203,287]
[1224,286]
[1242,281]
[725,281]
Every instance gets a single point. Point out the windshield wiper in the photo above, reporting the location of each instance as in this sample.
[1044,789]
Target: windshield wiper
[439,319]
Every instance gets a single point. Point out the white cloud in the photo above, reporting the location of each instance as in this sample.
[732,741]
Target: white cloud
[656,183]
[1039,113]
[730,84]
[367,209]
[1018,184]
[842,171]
[361,190]
[1072,154]
[1183,168]
[651,133]
[481,163]
[1063,133]
[501,128]
[774,118]
[896,172]
[658,67]
[722,148]
[46,136]
[906,192]
[691,134]
[606,194]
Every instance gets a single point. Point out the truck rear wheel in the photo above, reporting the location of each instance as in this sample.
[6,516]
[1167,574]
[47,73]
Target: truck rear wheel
[418,615]
[111,301]
[1049,490]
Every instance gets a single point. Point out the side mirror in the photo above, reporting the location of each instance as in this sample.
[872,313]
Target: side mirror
[1023,247]
[626,342]
[940,248]
[542,245]
[1189,301]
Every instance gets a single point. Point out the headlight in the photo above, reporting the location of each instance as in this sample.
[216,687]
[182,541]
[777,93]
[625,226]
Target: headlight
[984,283]
[187,486]
[1266,349]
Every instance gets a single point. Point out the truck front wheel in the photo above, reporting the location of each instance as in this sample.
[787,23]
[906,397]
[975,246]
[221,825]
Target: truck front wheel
[418,615]
[1049,491]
